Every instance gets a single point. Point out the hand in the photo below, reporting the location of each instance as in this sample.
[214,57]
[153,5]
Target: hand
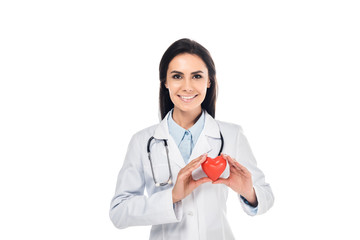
[239,180]
[185,183]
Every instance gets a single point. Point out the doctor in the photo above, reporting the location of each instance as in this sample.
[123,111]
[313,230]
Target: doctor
[165,159]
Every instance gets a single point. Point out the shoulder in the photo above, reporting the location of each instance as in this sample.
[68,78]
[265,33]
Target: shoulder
[231,131]
[144,133]
[228,126]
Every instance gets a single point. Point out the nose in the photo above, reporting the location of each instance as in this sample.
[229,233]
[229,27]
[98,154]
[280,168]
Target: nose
[187,87]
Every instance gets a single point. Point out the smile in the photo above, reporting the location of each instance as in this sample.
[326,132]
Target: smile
[187,98]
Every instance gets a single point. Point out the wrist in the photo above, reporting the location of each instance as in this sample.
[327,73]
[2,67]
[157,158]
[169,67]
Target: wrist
[251,198]
[174,199]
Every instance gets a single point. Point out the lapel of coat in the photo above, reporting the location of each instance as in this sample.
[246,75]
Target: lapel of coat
[211,130]
[162,132]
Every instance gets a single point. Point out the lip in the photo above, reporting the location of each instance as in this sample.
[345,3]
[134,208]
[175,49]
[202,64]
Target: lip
[188,98]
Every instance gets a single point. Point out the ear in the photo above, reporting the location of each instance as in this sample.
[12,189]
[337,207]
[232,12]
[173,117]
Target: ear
[209,83]
[165,83]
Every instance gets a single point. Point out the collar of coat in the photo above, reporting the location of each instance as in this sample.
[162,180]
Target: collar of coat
[211,128]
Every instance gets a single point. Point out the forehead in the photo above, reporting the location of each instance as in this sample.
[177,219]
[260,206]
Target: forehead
[187,62]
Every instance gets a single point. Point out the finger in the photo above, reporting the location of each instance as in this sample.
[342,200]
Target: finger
[227,157]
[236,164]
[222,181]
[233,169]
[198,162]
[204,157]
[244,169]
[201,159]
[194,164]
[232,162]
[202,180]
[198,159]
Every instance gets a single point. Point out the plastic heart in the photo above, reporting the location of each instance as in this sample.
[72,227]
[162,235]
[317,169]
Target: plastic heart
[214,167]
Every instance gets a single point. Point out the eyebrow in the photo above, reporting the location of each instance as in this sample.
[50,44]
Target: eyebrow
[183,73]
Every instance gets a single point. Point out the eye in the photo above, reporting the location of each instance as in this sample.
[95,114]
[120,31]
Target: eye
[197,76]
[176,76]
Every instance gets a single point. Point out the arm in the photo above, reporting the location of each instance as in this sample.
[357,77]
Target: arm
[263,192]
[129,206]
[247,180]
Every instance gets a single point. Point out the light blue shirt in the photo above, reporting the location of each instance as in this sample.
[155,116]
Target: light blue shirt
[185,139]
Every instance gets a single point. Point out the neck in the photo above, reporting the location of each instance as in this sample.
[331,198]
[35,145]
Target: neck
[186,119]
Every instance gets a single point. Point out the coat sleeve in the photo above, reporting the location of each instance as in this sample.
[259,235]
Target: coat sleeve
[129,206]
[263,190]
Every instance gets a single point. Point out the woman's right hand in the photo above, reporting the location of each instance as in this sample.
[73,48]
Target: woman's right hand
[185,183]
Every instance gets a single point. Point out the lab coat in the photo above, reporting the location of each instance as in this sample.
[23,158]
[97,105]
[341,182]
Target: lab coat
[202,214]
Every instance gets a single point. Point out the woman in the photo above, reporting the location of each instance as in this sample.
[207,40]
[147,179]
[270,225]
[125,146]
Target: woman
[181,201]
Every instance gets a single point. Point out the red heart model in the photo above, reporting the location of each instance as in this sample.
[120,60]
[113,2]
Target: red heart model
[214,167]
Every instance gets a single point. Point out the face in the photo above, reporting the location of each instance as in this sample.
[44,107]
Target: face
[187,80]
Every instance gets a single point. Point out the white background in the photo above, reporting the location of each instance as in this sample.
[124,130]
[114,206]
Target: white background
[79,78]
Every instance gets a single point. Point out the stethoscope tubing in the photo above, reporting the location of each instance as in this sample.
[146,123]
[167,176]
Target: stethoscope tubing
[169,181]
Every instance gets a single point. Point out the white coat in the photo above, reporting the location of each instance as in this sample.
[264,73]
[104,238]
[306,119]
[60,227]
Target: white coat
[202,214]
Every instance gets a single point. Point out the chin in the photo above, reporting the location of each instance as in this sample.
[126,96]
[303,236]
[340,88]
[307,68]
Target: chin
[188,108]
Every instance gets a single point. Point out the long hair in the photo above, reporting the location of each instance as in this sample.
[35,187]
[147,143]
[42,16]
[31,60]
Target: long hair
[186,45]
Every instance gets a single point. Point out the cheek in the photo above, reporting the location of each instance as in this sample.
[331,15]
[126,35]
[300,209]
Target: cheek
[202,88]
[173,87]
[172,91]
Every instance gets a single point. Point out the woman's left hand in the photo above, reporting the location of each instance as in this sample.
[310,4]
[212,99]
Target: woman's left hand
[239,180]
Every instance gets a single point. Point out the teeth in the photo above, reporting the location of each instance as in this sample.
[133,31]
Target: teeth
[187,97]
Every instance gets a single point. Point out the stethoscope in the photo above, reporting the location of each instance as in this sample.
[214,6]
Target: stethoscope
[169,181]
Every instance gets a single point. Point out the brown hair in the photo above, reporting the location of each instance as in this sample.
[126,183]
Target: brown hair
[186,45]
